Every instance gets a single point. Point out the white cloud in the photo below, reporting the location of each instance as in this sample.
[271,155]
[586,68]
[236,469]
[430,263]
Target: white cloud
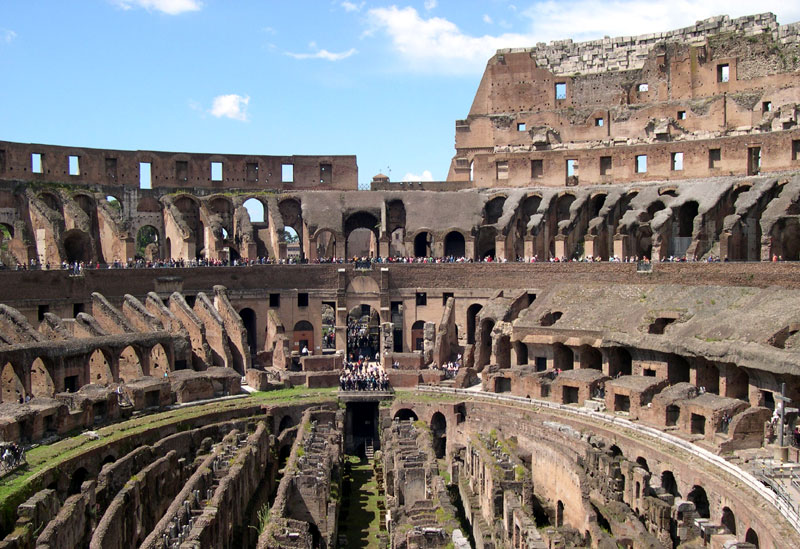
[591,19]
[487,19]
[426,176]
[7,35]
[436,44]
[350,6]
[170,7]
[430,4]
[232,106]
[323,54]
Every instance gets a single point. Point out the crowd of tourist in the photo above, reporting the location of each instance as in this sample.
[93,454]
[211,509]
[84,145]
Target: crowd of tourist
[77,267]
[360,341]
[363,376]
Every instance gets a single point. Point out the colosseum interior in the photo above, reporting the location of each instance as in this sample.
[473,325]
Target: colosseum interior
[597,346]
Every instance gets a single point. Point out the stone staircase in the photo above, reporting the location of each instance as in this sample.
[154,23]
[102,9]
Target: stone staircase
[370,449]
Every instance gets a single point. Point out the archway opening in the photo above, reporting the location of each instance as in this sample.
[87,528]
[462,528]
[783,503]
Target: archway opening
[248,317]
[326,245]
[361,235]
[41,382]
[363,332]
[418,335]
[422,245]
[147,241]
[669,484]
[751,537]
[76,246]
[328,311]
[439,431]
[494,210]
[255,209]
[728,520]
[454,245]
[405,414]
[77,479]
[700,499]
[99,368]
[620,362]
[472,313]
[130,367]
[303,338]
[12,388]
[159,362]
[286,423]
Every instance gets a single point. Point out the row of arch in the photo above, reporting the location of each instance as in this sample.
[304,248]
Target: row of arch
[43,378]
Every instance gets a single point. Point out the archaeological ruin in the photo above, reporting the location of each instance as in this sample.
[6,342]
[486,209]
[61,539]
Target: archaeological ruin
[596,345]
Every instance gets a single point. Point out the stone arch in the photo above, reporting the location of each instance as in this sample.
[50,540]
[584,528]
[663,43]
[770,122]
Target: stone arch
[51,201]
[12,386]
[493,209]
[439,432]
[85,203]
[148,204]
[6,232]
[287,422]
[159,361]
[250,321]
[484,342]
[620,362]
[292,216]
[669,484]
[699,497]
[685,218]
[563,205]
[590,358]
[472,313]
[41,381]
[786,239]
[520,353]
[220,205]
[326,243]
[130,365]
[77,246]
[76,480]
[186,204]
[358,223]
[423,244]
[255,209]
[485,245]
[396,227]
[596,203]
[417,335]
[147,243]
[100,368]
[642,462]
[405,414]
[751,537]
[728,520]
[114,203]
[454,245]
[303,336]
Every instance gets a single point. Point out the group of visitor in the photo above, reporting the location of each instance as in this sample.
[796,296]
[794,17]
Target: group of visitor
[360,340]
[13,455]
[363,376]
[449,368]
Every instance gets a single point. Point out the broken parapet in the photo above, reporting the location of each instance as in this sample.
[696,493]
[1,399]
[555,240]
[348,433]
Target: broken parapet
[53,328]
[141,319]
[215,331]
[237,333]
[277,342]
[87,326]
[15,328]
[32,516]
[109,317]
[201,353]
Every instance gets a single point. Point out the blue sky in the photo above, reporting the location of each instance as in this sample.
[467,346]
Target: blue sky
[384,81]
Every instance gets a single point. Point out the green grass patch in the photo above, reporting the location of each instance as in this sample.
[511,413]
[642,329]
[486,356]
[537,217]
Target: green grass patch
[361,519]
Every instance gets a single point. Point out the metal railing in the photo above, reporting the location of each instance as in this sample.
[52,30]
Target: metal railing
[784,507]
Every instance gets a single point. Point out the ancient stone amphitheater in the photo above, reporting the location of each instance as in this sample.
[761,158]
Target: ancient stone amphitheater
[612,263]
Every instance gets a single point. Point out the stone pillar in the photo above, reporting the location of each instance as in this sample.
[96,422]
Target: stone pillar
[469,248]
[588,246]
[528,247]
[500,248]
[428,342]
[620,245]
[383,246]
[560,246]
[387,340]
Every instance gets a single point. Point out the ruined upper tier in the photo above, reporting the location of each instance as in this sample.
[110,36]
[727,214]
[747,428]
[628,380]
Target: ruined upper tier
[718,98]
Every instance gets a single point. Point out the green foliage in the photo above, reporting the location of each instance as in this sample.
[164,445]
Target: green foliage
[147,235]
[263,519]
